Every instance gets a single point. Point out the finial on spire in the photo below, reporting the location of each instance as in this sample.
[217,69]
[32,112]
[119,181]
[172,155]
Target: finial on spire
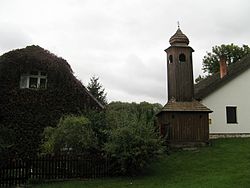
[178,24]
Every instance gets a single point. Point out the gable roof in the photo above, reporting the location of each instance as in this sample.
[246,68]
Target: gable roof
[212,83]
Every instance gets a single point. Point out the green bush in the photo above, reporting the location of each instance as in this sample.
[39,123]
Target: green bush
[132,139]
[133,147]
[98,124]
[72,134]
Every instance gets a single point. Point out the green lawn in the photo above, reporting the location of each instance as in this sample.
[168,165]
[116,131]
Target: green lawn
[224,164]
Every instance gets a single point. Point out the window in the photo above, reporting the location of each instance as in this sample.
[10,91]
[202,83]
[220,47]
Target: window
[170,59]
[182,58]
[231,114]
[33,80]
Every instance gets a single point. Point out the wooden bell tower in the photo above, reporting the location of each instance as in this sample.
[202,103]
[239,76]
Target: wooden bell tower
[180,68]
[183,121]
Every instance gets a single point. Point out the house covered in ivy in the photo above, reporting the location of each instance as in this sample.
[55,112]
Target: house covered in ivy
[37,89]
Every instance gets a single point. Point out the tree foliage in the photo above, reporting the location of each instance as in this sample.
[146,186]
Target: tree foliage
[97,90]
[118,113]
[98,124]
[132,139]
[6,142]
[73,134]
[126,133]
[232,52]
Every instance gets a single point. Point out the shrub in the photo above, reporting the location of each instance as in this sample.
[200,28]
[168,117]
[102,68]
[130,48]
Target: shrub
[98,124]
[132,142]
[72,134]
[133,147]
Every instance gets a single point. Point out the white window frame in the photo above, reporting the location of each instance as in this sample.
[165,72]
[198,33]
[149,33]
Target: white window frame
[25,80]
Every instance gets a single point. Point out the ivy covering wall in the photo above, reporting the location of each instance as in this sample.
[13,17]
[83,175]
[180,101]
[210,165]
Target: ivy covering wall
[28,111]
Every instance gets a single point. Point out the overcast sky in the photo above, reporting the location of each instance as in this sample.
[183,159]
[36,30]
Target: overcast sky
[123,41]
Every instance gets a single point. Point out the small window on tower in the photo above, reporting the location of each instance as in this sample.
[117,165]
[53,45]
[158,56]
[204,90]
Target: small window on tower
[170,59]
[182,58]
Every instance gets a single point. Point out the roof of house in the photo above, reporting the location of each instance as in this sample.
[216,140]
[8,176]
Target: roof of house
[211,83]
[192,106]
[36,56]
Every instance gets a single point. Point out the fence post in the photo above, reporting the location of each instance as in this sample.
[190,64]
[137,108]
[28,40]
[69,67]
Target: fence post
[27,170]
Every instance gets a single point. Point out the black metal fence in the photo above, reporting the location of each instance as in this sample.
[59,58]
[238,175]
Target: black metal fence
[16,172]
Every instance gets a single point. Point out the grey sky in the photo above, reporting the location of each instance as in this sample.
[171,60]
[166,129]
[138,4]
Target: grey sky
[123,41]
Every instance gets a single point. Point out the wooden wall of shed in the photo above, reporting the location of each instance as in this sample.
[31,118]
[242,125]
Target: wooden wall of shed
[185,126]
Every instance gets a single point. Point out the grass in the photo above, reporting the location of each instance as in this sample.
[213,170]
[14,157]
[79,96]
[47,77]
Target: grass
[224,164]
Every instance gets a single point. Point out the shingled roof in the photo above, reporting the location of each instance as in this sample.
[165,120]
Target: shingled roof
[179,38]
[211,83]
[191,106]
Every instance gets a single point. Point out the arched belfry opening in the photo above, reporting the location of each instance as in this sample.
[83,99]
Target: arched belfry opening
[182,58]
[183,120]
[170,59]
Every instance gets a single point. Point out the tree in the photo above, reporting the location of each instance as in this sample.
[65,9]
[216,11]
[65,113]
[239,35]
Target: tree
[132,139]
[232,52]
[118,113]
[134,146]
[98,125]
[97,90]
[73,133]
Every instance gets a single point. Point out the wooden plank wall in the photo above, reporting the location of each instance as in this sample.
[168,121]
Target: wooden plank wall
[180,75]
[186,126]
